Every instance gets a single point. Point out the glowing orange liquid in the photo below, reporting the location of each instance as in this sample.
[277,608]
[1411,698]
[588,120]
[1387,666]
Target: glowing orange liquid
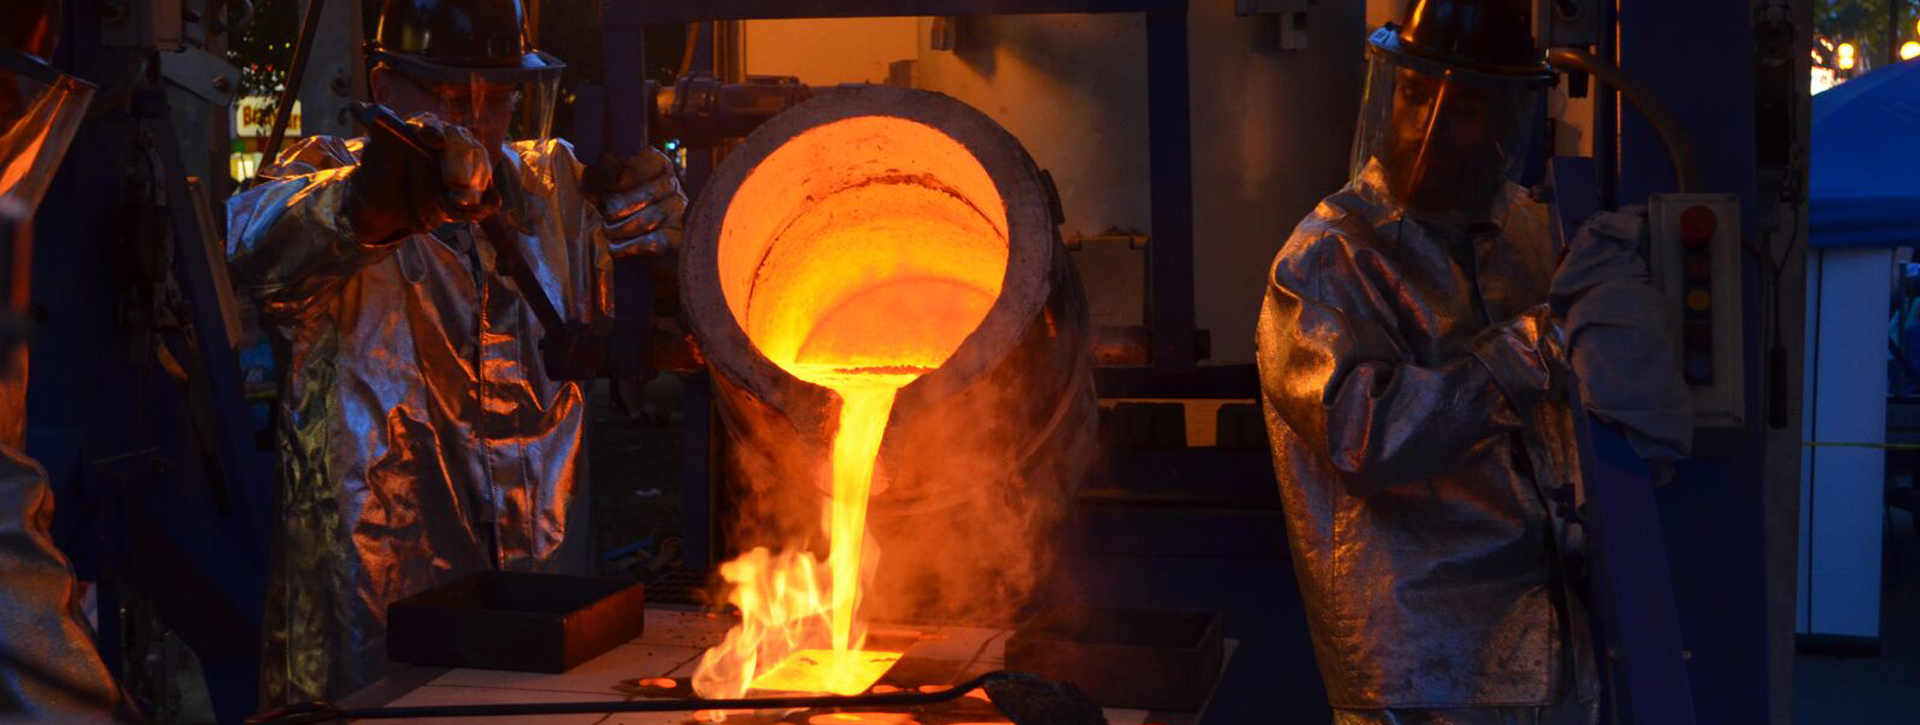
[866,404]
[860,289]
[865,349]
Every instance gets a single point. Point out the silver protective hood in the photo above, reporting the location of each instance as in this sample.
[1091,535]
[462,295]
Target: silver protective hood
[40,110]
[1446,141]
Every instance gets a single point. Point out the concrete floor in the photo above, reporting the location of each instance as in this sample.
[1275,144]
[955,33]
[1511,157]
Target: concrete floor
[1873,690]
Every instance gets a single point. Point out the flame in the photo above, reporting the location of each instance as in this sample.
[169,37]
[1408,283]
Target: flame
[860,289]
[783,610]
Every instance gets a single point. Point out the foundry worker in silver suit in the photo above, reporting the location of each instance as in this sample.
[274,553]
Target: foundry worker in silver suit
[420,436]
[49,668]
[1414,377]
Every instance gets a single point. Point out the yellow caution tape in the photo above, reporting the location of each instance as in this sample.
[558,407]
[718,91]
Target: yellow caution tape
[1879,446]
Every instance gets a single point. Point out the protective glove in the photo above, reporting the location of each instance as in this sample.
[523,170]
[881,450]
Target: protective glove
[1522,355]
[1618,339]
[395,190]
[639,199]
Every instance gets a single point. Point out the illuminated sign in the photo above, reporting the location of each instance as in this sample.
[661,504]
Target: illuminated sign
[253,117]
[1822,79]
[241,165]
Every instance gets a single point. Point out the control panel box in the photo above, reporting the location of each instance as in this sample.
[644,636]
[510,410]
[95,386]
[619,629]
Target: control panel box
[1696,263]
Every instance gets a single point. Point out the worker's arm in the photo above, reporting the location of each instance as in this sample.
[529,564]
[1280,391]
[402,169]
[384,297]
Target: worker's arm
[320,218]
[1347,388]
[640,206]
[639,200]
[1617,338]
[49,669]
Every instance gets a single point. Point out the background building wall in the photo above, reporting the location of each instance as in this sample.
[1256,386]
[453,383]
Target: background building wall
[1271,128]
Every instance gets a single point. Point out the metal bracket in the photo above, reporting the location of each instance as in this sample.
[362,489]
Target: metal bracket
[1566,23]
[1292,15]
[203,74]
[1133,240]
[144,24]
[946,33]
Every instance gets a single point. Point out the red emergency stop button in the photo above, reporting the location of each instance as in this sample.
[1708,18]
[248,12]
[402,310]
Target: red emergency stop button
[1697,224]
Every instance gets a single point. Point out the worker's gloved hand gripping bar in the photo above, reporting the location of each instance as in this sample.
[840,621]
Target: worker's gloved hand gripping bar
[570,350]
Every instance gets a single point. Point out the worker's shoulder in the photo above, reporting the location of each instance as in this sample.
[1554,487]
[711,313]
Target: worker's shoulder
[546,166]
[545,151]
[1525,220]
[315,153]
[1326,240]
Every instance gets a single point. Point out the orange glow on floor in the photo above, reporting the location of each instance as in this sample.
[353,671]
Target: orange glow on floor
[825,670]
[862,718]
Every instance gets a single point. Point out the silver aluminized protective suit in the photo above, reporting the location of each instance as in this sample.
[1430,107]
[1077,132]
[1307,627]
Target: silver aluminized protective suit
[49,670]
[420,438]
[1415,394]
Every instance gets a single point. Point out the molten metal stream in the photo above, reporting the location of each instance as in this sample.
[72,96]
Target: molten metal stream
[865,350]
[865,408]
[866,404]
[860,289]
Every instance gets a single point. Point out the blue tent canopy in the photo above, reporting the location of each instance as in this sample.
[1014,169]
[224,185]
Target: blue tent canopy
[1864,188]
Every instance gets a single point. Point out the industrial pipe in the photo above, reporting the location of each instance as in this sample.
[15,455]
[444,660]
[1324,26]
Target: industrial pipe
[863,205]
[1665,124]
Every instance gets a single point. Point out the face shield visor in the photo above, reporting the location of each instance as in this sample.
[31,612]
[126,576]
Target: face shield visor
[1443,141]
[499,105]
[40,109]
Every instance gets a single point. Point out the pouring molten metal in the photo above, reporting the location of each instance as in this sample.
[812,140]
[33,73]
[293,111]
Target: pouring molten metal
[862,291]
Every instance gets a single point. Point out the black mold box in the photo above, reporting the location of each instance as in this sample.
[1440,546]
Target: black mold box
[502,620]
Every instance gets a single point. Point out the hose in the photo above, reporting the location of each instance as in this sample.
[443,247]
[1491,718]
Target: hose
[1667,126]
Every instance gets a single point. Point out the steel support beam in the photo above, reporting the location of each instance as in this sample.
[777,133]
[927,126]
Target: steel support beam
[675,12]
[1170,166]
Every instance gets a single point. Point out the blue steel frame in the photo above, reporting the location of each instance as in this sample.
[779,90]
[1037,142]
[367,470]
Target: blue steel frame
[1697,56]
[147,502]
[1634,615]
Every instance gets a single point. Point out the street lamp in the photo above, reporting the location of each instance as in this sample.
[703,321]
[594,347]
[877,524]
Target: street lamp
[1846,56]
[1910,50]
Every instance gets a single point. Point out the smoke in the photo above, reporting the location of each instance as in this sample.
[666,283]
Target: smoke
[876,243]
[970,493]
